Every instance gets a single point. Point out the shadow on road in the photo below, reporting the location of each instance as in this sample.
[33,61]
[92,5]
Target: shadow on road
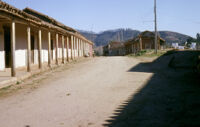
[171,98]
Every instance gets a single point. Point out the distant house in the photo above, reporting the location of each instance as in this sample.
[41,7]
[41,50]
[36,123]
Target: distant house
[193,46]
[98,51]
[114,49]
[175,45]
[143,41]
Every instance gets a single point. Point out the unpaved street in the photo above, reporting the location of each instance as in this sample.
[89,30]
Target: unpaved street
[85,95]
[101,92]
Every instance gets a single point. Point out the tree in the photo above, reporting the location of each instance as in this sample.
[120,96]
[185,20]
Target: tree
[190,40]
[198,37]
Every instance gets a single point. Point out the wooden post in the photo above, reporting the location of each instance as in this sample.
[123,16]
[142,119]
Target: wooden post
[67,49]
[81,48]
[40,48]
[49,49]
[28,49]
[56,49]
[78,47]
[74,47]
[13,39]
[72,41]
[63,44]
[84,48]
[140,44]
[132,48]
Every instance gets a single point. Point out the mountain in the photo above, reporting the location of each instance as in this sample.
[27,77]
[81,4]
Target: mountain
[103,38]
[171,37]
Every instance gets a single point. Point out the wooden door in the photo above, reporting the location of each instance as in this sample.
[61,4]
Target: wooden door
[52,47]
[32,48]
[7,47]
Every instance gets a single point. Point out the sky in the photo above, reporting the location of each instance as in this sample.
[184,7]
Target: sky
[98,15]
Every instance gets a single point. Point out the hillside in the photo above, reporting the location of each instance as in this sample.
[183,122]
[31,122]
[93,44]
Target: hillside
[103,38]
[173,37]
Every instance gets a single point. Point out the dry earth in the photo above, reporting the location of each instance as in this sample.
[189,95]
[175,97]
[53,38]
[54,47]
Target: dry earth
[105,92]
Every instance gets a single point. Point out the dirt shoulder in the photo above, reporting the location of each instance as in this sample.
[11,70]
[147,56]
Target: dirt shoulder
[36,80]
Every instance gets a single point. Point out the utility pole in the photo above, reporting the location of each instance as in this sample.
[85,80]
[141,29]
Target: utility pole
[156,34]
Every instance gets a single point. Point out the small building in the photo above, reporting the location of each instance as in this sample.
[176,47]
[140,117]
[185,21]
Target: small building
[146,40]
[193,46]
[175,45]
[98,51]
[114,49]
[28,38]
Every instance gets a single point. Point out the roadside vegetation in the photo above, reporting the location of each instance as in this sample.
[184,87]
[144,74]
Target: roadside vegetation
[180,59]
[148,53]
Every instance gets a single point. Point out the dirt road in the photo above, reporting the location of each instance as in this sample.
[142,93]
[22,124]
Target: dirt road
[101,92]
[84,95]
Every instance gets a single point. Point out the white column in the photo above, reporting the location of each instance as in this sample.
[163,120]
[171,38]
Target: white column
[72,52]
[78,47]
[63,43]
[28,49]
[74,47]
[84,48]
[67,49]
[81,48]
[40,48]
[49,49]
[140,45]
[56,49]
[13,41]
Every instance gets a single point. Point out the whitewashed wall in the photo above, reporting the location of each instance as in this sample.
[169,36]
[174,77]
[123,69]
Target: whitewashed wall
[36,47]
[44,46]
[75,52]
[2,53]
[54,54]
[21,45]
[54,48]
[69,53]
[60,47]
[76,48]
[65,52]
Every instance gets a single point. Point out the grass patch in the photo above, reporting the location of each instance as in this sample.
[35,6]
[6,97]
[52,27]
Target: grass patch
[148,53]
[17,83]
[5,88]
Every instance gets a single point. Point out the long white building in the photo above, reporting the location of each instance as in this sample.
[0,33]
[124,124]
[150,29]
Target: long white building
[28,37]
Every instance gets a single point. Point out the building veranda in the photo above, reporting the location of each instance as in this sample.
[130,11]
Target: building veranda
[28,38]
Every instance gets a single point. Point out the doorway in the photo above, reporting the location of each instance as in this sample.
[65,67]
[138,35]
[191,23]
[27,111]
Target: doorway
[32,48]
[7,46]
[52,47]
